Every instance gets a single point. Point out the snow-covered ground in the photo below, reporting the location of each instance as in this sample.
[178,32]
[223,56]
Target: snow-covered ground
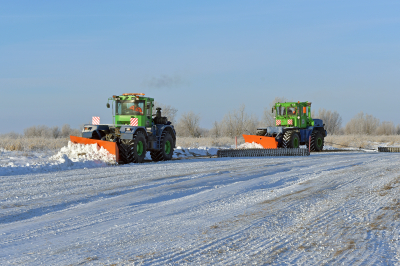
[326,208]
[75,156]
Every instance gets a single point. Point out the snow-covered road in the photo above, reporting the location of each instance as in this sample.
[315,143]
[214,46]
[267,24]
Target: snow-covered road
[325,208]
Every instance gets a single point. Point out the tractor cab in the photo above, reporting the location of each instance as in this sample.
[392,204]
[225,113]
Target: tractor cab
[132,109]
[292,114]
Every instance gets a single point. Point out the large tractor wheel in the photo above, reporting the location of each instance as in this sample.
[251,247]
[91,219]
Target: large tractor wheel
[167,148]
[133,151]
[291,140]
[317,141]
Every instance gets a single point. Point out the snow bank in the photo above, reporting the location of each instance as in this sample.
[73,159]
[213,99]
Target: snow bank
[326,147]
[73,156]
[252,145]
[180,152]
[81,152]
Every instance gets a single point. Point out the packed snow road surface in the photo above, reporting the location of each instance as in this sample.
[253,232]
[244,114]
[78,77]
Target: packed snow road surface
[340,208]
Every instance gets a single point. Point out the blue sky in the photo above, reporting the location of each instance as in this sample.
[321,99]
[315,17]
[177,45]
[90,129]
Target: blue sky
[61,60]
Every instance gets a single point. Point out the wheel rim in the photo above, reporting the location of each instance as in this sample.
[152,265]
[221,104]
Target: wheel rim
[167,147]
[295,143]
[139,148]
[319,142]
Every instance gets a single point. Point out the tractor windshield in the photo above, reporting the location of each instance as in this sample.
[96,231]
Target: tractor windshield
[291,111]
[129,108]
[281,110]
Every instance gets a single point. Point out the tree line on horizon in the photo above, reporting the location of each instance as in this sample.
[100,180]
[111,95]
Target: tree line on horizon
[238,122]
[235,123]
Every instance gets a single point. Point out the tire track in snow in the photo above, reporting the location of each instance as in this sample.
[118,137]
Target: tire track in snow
[321,221]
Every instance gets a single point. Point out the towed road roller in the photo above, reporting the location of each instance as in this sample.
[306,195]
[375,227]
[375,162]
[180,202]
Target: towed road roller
[135,130]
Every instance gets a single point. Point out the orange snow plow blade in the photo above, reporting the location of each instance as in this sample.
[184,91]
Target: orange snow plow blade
[266,142]
[111,147]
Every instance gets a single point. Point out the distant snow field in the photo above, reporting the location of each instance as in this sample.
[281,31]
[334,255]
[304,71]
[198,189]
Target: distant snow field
[75,207]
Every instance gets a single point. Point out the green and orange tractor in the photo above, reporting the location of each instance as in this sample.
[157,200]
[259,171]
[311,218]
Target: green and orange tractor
[135,130]
[293,127]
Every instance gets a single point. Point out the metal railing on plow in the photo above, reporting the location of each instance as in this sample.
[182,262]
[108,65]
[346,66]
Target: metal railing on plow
[262,152]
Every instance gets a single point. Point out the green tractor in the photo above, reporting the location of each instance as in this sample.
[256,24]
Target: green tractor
[135,130]
[293,127]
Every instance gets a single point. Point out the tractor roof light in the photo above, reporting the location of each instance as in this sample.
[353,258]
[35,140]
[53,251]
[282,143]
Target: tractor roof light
[134,94]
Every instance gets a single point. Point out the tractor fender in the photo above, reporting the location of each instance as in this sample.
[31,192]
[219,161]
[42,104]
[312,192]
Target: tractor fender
[305,134]
[314,128]
[127,132]
[159,129]
[318,123]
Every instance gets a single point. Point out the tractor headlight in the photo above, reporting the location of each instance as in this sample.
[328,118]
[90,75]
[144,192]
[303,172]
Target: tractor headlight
[128,129]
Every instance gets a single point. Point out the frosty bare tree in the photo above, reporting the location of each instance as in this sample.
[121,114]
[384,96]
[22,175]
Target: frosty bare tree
[188,125]
[166,110]
[332,120]
[386,128]
[53,132]
[66,131]
[362,124]
[268,117]
[38,131]
[11,135]
[238,122]
[216,130]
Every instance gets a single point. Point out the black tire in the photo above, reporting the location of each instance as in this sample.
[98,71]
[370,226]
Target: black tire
[261,132]
[133,151]
[95,135]
[317,141]
[291,140]
[279,139]
[167,148]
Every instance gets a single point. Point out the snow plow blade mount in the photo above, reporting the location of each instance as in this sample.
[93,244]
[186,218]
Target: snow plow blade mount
[266,142]
[262,152]
[111,147]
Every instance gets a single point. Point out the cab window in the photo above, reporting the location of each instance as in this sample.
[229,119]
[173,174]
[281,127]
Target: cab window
[129,108]
[281,110]
[291,110]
